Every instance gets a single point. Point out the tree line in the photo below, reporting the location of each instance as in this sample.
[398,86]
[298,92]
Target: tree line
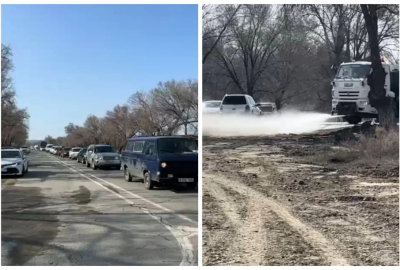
[285,53]
[14,120]
[168,109]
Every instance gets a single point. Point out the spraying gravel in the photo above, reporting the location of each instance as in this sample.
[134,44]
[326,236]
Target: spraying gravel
[288,122]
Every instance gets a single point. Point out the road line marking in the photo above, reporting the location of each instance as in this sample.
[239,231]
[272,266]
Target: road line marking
[180,236]
[141,198]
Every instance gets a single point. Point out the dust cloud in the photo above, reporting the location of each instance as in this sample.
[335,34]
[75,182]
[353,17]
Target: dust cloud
[294,122]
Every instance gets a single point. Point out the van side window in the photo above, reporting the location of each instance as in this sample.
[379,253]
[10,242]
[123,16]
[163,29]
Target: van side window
[129,145]
[149,148]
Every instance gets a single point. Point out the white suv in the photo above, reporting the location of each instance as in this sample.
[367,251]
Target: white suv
[239,104]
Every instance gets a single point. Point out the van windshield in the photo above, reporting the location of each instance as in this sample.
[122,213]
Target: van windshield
[177,146]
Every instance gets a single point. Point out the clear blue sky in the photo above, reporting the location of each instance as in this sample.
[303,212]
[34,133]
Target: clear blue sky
[75,60]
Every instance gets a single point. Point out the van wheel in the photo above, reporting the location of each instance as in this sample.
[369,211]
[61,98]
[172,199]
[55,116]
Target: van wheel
[148,184]
[128,176]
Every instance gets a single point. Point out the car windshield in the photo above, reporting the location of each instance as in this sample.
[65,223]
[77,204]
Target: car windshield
[10,154]
[353,71]
[84,150]
[103,149]
[177,146]
[67,148]
[237,100]
[76,149]
[215,104]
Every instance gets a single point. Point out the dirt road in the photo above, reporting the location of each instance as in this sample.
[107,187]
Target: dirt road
[263,204]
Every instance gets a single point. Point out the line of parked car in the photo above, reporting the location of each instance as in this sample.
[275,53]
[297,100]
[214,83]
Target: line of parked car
[159,161]
[238,103]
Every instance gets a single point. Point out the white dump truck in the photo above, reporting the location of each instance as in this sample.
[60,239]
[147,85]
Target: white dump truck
[350,90]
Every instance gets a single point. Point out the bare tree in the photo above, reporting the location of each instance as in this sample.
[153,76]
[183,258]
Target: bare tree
[247,53]
[14,121]
[216,19]
[179,101]
[377,95]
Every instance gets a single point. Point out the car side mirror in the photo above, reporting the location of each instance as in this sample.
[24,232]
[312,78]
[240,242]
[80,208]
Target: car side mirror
[257,104]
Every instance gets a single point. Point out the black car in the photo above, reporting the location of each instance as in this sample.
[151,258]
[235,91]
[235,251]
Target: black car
[81,157]
[161,160]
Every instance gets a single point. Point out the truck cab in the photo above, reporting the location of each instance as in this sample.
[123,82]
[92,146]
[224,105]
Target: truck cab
[350,90]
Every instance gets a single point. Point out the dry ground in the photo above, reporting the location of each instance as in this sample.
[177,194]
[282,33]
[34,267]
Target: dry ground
[300,200]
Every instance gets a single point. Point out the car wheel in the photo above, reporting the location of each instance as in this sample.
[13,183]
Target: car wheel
[77,160]
[94,167]
[148,184]
[23,170]
[128,176]
[87,164]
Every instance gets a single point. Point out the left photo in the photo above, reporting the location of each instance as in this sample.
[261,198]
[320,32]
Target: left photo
[99,124]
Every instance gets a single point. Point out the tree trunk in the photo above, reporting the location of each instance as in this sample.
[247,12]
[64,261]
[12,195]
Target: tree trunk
[377,94]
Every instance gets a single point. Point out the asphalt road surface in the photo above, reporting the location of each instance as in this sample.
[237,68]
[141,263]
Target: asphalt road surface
[62,213]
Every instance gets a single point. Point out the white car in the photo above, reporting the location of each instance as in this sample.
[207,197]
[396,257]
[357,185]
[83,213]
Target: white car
[48,147]
[13,162]
[267,108]
[239,104]
[74,152]
[211,106]
[25,149]
[53,149]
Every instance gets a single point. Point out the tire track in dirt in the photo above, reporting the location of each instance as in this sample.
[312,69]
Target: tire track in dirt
[250,234]
[309,234]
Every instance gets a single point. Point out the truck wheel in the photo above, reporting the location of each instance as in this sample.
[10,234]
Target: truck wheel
[148,184]
[128,176]
[353,120]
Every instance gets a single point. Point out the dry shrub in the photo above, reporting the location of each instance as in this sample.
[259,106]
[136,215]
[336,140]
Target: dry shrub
[381,148]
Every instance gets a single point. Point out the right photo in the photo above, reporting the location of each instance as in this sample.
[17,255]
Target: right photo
[300,135]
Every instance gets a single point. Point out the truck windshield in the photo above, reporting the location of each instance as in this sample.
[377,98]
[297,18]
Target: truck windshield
[353,71]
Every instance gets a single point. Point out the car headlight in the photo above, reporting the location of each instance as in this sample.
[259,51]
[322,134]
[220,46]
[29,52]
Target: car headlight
[116,157]
[163,164]
[16,164]
[363,102]
[335,102]
[100,157]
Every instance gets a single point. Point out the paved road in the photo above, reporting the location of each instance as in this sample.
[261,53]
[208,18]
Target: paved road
[62,213]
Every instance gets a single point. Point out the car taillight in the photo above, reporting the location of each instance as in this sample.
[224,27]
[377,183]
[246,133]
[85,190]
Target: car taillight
[247,109]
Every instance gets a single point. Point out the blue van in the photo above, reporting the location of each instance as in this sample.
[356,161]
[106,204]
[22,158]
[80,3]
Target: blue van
[161,160]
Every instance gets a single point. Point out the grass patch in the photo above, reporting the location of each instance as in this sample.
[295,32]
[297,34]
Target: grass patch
[379,150]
